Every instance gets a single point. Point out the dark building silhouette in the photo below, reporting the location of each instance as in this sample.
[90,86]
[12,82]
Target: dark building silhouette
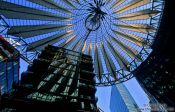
[156,74]
[59,80]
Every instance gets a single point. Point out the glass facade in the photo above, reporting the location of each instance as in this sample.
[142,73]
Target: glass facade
[8,75]
[9,66]
[59,79]
[157,78]
[121,100]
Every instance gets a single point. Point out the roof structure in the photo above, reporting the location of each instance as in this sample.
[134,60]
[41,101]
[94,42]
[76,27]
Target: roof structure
[118,34]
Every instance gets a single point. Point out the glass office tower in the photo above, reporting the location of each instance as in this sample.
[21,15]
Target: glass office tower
[121,100]
[9,66]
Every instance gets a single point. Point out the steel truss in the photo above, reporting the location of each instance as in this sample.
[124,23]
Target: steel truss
[106,78]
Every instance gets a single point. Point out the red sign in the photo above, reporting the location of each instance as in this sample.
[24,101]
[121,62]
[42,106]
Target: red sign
[6,50]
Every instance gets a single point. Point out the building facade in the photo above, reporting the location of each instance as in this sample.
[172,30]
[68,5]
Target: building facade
[156,74]
[121,100]
[9,66]
[59,79]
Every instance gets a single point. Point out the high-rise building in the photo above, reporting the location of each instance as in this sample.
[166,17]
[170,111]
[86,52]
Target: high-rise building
[59,79]
[9,66]
[121,100]
[156,74]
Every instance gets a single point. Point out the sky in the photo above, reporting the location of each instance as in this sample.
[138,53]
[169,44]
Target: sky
[103,93]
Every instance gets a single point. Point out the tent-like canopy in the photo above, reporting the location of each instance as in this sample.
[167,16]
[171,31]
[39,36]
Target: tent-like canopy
[118,34]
